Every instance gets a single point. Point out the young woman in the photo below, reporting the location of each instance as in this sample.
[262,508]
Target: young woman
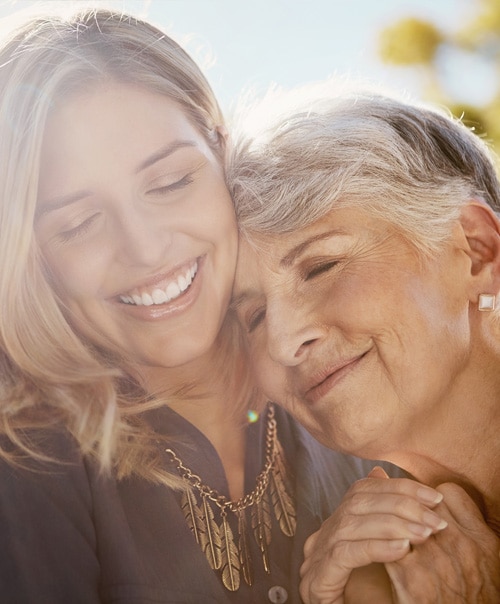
[131,469]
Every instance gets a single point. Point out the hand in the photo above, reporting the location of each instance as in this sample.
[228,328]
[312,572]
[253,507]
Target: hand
[377,521]
[459,564]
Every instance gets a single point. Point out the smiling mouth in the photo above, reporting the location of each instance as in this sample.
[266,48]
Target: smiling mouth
[322,384]
[170,291]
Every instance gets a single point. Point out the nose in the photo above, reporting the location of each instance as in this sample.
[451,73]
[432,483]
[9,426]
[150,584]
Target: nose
[292,332]
[142,239]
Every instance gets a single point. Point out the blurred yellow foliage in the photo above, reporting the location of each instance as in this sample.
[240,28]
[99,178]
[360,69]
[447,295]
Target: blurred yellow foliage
[414,43]
[409,42]
[485,24]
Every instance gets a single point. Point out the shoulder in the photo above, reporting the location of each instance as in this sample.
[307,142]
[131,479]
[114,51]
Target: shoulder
[60,474]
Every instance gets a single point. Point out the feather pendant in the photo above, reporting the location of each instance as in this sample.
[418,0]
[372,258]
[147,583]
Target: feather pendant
[274,489]
[244,548]
[283,468]
[210,540]
[192,514]
[230,560]
[261,525]
[283,505]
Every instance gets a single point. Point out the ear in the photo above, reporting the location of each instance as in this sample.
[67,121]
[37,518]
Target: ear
[481,227]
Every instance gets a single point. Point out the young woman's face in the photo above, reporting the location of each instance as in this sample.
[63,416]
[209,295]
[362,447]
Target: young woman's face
[136,224]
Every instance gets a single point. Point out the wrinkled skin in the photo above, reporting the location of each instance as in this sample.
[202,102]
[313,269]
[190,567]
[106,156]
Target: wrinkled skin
[388,521]
[458,564]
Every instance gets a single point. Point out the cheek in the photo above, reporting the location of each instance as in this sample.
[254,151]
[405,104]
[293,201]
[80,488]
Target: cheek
[215,203]
[71,279]
[228,228]
[216,222]
[270,376]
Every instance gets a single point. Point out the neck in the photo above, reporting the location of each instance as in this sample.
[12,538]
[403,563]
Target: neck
[466,453]
[208,392]
[456,438]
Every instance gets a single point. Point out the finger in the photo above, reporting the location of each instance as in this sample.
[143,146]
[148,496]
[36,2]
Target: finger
[361,506]
[397,486]
[348,555]
[382,526]
[310,543]
[378,472]
[325,581]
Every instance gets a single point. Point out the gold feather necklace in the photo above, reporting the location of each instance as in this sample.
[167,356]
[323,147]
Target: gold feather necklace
[211,529]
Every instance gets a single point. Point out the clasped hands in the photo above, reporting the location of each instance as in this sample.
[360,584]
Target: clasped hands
[397,541]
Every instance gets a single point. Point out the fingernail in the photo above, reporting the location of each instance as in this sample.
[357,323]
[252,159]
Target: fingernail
[428,495]
[419,529]
[434,521]
[399,544]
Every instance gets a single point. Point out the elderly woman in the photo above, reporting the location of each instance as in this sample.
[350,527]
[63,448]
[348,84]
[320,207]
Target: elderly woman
[368,280]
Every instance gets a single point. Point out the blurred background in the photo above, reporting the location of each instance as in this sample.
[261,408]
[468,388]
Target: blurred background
[446,51]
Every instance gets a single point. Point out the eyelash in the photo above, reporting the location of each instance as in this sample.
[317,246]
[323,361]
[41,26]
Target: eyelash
[79,230]
[178,184]
[82,228]
[255,320]
[320,269]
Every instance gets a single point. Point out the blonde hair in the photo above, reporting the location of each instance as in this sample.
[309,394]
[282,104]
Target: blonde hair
[48,374]
[299,154]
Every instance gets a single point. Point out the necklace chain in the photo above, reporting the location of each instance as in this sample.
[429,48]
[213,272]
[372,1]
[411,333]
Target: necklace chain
[262,479]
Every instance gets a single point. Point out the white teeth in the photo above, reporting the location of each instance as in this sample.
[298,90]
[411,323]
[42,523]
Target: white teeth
[147,300]
[173,290]
[182,283]
[160,296]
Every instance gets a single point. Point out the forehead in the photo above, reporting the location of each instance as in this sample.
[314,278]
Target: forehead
[110,121]
[284,248]
[107,106]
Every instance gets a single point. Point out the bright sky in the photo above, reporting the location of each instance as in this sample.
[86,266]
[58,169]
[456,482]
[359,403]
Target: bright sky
[252,43]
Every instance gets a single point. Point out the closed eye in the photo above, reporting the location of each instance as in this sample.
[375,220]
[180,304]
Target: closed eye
[174,186]
[320,269]
[79,230]
[255,319]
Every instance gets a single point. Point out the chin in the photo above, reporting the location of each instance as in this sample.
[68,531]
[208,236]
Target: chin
[338,437]
[187,354]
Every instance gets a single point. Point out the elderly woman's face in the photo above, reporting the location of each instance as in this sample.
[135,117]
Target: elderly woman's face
[353,334]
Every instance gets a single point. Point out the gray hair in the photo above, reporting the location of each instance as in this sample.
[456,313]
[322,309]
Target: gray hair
[409,164]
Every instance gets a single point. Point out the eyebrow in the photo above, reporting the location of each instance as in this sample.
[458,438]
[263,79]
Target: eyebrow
[299,249]
[60,202]
[163,153]
[285,262]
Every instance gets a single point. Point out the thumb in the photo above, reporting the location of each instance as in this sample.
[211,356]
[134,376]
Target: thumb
[378,472]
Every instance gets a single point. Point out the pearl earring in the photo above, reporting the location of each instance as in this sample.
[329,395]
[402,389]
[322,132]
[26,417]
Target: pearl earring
[486,302]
